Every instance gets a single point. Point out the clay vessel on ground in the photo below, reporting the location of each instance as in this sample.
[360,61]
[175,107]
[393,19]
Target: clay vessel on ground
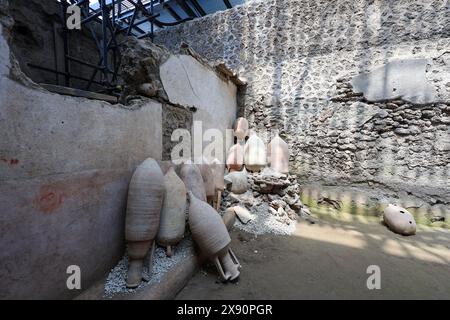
[278,155]
[254,154]
[173,216]
[229,218]
[237,181]
[193,181]
[208,179]
[218,169]
[235,158]
[211,235]
[399,220]
[145,197]
[241,128]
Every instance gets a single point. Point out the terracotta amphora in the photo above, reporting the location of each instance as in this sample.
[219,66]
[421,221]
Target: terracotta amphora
[254,153]
[145,198]
[399,220]
[173,216]
[193,180]
[235,158]
[211,235]
[208,178]
[229,218]
[241,128]
[218,170]
[237,181]
[278,155]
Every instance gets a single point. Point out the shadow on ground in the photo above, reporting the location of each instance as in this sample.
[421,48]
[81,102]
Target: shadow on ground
[329,259]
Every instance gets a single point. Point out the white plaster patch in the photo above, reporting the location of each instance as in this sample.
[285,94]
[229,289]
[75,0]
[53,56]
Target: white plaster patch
[190,83]
[399,78]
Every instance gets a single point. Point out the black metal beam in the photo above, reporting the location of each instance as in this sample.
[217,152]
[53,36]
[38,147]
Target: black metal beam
[227,4]
[171,11]
[60,73]
[198,7]
[183,5]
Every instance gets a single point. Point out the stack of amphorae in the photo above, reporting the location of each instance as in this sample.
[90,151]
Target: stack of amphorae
[156,212]
[157,203]
[251,155]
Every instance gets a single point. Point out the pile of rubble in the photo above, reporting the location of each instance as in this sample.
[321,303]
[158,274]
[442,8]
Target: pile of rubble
[116,282]
[272,201]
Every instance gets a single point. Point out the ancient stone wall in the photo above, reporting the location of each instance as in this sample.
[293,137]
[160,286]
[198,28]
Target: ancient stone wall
[173,118]
[359,89]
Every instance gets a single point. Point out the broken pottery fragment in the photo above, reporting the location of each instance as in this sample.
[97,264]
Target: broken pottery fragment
[229,218]
[145,197]
[147,89]
[241,128]
[211,235]
[243,214]
[193,180]
[399,220]
[172,222]
[278,155]
[237,181]
[235,158]
[254,153]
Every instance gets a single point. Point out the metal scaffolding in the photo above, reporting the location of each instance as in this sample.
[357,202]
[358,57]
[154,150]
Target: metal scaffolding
[107,20]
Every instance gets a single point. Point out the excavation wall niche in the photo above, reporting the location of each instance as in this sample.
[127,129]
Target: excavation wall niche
[65,165]
[37,39]
[360,90]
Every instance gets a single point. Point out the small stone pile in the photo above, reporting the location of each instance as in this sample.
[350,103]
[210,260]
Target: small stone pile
[116,282]
[273,201]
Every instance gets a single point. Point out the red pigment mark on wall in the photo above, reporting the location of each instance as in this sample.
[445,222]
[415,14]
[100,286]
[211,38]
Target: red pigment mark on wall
[83,187]
[11,162]
[49,199]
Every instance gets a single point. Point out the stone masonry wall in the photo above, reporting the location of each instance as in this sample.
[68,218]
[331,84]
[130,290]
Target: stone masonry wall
[359,89]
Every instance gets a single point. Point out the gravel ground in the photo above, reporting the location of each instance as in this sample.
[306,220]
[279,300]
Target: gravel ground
[265,222]
[116,281]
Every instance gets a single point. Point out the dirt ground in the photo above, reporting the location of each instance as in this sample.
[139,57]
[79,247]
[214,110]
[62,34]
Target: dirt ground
[329,260]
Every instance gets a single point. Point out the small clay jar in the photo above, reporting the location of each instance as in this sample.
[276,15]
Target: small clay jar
[145,197]
[254,153]
[173,217]
[211,235]
[193,180]
[235,158]
[237,181]
[278,155]
[241,128]
[399,220]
